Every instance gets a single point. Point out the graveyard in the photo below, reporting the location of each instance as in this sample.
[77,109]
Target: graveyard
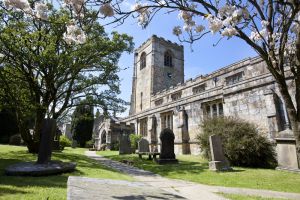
[146,100]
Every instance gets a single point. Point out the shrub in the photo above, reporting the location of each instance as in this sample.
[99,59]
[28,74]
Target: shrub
[64,141]
[242,143]
[15,140]
[115,146]
[134,140]
[89,144]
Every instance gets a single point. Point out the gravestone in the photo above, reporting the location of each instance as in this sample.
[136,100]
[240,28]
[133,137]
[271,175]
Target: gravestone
[125,147]
[219,161]
[56,143]
[286,151]
[143,145]
[47,136]
[167,155]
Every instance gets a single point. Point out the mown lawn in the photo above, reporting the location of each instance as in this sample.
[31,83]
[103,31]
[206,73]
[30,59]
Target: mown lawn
[50,187]
[195,168]
[242,197]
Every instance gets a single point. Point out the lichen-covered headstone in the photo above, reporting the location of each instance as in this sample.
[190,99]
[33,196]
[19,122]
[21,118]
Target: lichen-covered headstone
[143,145]
[219,161]
[167,154]
[125,147]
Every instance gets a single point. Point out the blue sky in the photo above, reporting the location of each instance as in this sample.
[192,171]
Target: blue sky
[205,58]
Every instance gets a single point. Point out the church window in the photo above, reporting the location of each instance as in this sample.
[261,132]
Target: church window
[199,89]
[166,120]
[168,59]
[158,102]
[234,78]
[221,112]
[213,109]
[143,127]
[141,101]
[143,61]
[176,96]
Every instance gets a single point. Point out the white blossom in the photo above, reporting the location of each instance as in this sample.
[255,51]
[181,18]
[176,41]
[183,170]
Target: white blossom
[177,30]
[186,16]
[229,32]
[214,24]
[162,2]
[264,23]
[76,5]
[41,10]
[199,28]
[74,34]
[20,5]
[107,10]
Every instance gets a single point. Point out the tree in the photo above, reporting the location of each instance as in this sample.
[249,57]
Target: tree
[82,123]
[56,61]
[271,28]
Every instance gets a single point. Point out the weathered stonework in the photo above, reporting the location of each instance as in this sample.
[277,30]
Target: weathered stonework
[107,131]
[244,89]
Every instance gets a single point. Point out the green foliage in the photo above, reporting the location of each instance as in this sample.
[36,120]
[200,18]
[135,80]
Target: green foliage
[64,141]
[42,74]
[115,146]
[89,144]
[82,123]
[8,125]
[242,143]
[134,140]
[15,140]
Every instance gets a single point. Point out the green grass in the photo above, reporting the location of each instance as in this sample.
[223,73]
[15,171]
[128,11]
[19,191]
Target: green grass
[244,197]
[50,187]
[195,168]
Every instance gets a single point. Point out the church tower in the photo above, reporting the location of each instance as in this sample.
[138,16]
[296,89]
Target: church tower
[158,65]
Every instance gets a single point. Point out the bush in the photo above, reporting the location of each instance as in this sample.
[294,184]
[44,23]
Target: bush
[64,141]
[89,144]
[15,140]
[115,146]
[242,144]
[134,140]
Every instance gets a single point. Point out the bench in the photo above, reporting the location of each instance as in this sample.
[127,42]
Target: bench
[151,155]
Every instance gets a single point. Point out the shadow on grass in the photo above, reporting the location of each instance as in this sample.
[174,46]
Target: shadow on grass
[84,165]
[188,167]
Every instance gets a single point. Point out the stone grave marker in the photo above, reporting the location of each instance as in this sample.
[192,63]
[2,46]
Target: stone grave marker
[125,147]
[219,161]
[143,145]
[167,155]
[47,136]
[286,151]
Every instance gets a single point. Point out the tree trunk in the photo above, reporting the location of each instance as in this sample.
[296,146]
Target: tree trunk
[32,146]
[40,115]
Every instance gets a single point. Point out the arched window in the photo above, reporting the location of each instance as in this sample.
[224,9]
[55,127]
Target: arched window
[143,60]
[168,59]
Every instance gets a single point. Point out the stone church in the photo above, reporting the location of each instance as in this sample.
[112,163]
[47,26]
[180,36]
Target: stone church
[161,98]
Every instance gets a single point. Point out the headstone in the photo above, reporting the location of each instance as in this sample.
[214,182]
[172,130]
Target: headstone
[167,155]
[125,147]
[47,136]
[286,152]
[219,161]
[143,145]
[55,143]
[74,143]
